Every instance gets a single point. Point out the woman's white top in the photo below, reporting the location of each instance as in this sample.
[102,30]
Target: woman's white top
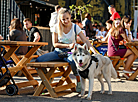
[70,36]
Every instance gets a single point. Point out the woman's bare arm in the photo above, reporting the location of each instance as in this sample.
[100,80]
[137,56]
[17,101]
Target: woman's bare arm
[106,37]
[127,38]
[85,40]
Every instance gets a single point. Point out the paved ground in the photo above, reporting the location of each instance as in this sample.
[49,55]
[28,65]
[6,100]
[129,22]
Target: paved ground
[123,91]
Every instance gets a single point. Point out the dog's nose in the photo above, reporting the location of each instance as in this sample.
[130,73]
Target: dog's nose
[80,61]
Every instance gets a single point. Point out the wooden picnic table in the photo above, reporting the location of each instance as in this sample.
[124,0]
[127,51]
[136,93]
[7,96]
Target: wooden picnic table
[11,47]
[132,46]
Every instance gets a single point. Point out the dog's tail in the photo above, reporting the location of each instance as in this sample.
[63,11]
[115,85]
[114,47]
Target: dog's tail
[113,72]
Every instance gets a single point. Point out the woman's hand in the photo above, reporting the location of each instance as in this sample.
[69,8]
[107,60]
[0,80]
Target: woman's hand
[71,45]
[127,26]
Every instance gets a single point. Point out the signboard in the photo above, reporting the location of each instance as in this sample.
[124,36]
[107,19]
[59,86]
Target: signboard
[135,23]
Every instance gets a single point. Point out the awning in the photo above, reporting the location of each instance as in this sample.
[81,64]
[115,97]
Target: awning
[44,3]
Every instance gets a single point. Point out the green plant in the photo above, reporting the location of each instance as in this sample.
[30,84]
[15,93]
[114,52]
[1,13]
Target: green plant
[80,10]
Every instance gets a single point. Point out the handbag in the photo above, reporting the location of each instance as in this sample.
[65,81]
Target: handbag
[64,54]
[119,47]
[41,52]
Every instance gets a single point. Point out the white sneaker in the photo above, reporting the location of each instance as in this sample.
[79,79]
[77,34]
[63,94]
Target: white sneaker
[128,71]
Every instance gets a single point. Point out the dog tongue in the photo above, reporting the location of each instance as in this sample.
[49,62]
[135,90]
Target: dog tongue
[80,64]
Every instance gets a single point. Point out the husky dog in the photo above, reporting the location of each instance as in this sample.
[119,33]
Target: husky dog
[91,66]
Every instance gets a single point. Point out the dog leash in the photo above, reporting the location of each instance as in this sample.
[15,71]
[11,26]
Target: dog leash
[113,44]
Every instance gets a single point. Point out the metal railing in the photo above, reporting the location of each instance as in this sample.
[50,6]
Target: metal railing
[9,10]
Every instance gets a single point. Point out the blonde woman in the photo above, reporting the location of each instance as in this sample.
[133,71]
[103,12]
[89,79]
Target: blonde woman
[64,39]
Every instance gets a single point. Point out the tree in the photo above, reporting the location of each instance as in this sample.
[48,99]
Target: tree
[80,10]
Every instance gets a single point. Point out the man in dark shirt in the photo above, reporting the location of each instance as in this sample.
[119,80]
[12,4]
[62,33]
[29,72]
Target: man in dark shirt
[32,32]
[87,25]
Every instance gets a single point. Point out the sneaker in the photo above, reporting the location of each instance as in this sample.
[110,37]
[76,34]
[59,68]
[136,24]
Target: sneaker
[78,87]
[127,77]
[128,71]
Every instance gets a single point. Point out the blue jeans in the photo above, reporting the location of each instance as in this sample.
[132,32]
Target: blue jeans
[53,56]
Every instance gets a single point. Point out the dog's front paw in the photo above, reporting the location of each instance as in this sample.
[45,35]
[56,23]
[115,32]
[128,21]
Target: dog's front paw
[88,98]
[102,91]
[80,95]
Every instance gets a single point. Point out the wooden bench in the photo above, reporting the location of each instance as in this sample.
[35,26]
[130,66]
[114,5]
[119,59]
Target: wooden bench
[117,61]
[31,70]
[58,88]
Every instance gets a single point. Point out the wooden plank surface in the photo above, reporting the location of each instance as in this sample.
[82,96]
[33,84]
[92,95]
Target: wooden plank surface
[114,57]
[29,83]
[22,43]
[47,64]
[33,56]
[12,69]
[64,87]
[134,49]
[134,43]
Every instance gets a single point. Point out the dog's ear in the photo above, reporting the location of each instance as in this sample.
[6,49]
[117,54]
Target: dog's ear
[75,47]
[85,46]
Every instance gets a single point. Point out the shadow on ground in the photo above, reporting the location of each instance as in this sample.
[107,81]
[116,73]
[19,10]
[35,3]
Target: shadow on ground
[117,96]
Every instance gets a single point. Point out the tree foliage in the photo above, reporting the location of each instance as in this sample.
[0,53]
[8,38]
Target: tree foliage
[80,10]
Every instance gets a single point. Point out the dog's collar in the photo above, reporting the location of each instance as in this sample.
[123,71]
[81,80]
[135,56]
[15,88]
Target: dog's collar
[92,58]
[85,72]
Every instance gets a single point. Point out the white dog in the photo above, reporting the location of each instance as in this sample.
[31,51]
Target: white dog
[90,66]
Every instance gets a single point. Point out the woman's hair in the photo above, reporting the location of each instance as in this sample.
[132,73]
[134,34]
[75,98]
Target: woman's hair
[112,6]
[60,25]
[115,30]
[109,21]
[101,28]
[113,24]
[27,19]
[125,19]
[87,15]
[57,7]
[16,24]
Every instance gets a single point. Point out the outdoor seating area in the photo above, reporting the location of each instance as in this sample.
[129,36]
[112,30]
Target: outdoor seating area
[54,76]
[69,51]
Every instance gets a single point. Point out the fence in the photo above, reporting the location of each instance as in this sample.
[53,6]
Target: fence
[9,10]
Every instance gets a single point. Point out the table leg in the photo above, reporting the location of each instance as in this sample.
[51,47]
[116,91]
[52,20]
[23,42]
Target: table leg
[22,62]
[65,77]
[26,59]
[134,75]
[10,51]
[46,83]
[114,62]
[134,49]
[39,90]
